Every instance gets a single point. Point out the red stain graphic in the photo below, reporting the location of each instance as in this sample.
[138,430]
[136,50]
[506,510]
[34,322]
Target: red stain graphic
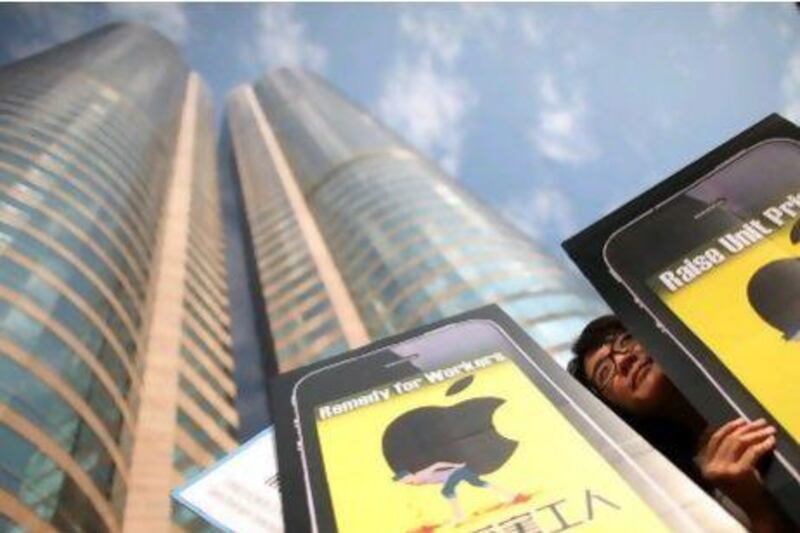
[425,529]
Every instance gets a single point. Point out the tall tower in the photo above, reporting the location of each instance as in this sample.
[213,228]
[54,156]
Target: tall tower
[115,364]
[356,236]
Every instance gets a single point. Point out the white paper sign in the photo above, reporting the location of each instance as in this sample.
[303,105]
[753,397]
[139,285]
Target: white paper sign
[239,493]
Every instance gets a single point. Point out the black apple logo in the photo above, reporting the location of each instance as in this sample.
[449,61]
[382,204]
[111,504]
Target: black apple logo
[462,433]
[774,292]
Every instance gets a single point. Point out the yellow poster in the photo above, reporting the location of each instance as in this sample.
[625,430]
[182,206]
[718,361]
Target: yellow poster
[466,452]
[746,310]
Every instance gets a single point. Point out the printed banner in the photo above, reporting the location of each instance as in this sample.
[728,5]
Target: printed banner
[458,450]
[459,428]
[241,492]
[705,270]
[739,291]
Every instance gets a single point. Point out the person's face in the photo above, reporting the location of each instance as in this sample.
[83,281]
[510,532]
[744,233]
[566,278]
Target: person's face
[627,377]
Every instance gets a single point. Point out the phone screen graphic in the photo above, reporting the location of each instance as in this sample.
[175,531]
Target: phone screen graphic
[723,257]
[469,446]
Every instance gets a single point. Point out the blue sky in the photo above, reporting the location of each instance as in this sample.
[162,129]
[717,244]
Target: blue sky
[552,113]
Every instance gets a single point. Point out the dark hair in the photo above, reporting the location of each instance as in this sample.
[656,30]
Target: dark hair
[594,335]
[671,439]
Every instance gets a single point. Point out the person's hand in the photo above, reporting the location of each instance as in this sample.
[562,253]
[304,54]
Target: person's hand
[729,459]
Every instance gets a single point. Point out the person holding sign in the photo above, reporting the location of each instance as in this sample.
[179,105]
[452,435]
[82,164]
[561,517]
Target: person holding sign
[618,370]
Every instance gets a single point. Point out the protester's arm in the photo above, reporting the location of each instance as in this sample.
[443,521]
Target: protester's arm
[728,461]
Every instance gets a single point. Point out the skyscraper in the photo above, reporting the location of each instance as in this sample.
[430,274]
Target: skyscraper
[114,345]
[357,236]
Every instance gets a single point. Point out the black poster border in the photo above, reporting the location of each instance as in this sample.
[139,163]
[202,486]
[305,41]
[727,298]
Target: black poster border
[586,251]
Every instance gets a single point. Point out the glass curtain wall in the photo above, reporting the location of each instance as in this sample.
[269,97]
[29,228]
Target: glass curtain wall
[87,152]
[86,135]
[206,418]
[303,324]
[410,244]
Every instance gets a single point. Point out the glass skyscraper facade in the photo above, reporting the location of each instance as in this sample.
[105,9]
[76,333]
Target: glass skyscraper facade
[115,363]
[357,236]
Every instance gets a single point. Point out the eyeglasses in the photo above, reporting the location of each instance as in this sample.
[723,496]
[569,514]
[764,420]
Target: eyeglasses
[606,368]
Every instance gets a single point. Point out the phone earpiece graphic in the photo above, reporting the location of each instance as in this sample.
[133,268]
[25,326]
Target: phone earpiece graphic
[774,292]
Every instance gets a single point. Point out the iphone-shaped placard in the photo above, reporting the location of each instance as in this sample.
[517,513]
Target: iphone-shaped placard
[468,426]
[705,270]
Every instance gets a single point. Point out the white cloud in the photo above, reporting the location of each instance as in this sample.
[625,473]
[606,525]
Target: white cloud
[52,24]
[484,23]
[532,31]
[49,24]
[428,106]
[423,96]
[560,131]
[544,211]
[443,32]
[281,41]
[440,35]
[790,85]
[665,120]
[723,14]
[168,18]
[608,7]
[784,30]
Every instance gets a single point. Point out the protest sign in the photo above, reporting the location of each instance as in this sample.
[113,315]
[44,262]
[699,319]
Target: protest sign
[241,492]
[704,268]
[467,425]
